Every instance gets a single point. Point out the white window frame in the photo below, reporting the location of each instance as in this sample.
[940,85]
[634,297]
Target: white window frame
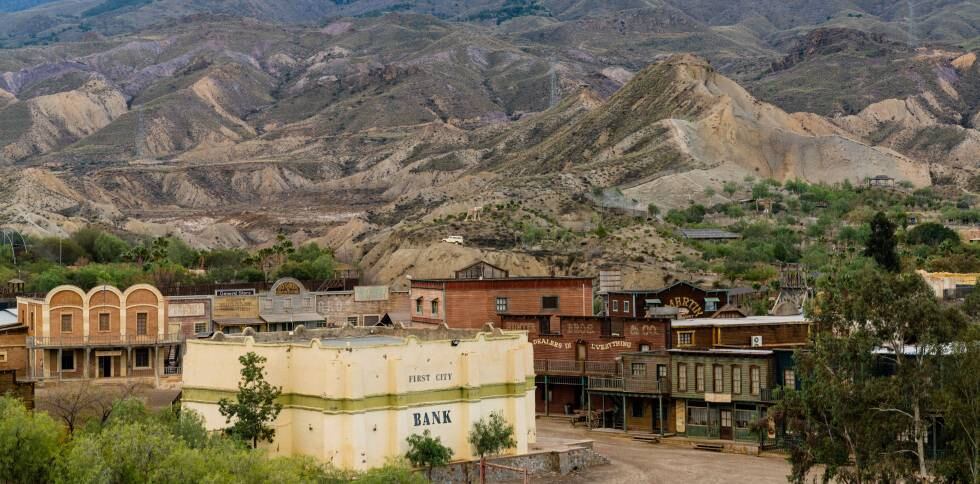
[615,305]
[203,325]
[626,307]
[146,324]
[149,359]
[61,363]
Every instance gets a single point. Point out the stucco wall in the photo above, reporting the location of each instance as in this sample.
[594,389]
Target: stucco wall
[356,408]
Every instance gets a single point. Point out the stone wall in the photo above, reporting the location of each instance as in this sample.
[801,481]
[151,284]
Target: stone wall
[549,462]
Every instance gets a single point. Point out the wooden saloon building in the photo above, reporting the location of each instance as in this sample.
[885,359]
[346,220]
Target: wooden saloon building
[690,300]
[573,352]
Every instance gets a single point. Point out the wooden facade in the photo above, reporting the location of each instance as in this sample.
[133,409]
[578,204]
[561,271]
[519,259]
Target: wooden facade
[472,303]
[748,332]
[692,301]
[569,350]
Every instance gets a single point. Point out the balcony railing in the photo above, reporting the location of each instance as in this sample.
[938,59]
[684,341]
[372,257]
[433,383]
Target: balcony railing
[575,367]
[104,340]
[768,394]
[171,370]
[629,385]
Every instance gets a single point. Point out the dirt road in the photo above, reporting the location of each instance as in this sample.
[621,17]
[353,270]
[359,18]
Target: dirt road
[637,462]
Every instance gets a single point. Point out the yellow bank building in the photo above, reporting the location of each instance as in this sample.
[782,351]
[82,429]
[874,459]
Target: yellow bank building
[352,395]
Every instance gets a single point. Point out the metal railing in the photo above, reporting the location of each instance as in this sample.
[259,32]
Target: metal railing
[171,370]
[577,367]
[104,340]
[628,384]
[768,394]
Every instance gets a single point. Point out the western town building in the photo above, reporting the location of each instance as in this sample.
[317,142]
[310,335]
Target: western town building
[470,300]
[690,300]
[102,333]
[715,381]
[364,306]
[374,386]
[570,350]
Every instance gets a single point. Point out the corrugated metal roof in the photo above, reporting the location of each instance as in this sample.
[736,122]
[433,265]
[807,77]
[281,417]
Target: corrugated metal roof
[747,321]
[708,234]
[7,317]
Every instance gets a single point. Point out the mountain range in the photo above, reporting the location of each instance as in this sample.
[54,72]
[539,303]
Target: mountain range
[370,124]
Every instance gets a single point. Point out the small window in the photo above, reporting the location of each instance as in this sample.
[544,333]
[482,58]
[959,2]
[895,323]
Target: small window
[31,327]
[682,377]
[661,372]
[549,303]
[68,360]
[3,356]
[644,347]
[637,409]
[789,378]
[736,380]
[718,379]
[754,382]
[435,307]
[104,322]
[626,307]
[615,306]
[372,320]
[200,328]
[699,377]
[142,357]
[418,305]
[352,320]
[685,338]
[141,324]
[66,323]
[501,305]
[710,305]
[638,369]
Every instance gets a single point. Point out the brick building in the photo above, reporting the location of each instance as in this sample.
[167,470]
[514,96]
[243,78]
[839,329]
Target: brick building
[13,342]
[103,333]
[571,350]
[471,303]
[189,315]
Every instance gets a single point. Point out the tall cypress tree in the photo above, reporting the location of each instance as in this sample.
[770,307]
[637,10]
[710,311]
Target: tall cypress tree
[882,245]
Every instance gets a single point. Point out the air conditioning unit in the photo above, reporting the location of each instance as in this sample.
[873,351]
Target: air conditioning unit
[757,341]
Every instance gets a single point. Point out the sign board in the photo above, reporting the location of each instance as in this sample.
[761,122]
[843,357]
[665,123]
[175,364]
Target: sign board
[235,307]
[718,397]
[287,288]
[184,310]
[246,291]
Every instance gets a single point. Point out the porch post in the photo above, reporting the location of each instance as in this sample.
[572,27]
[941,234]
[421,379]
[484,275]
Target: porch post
[660,413]
[547,398]
[59,364]
[624,412]
[85,364]
[156,365]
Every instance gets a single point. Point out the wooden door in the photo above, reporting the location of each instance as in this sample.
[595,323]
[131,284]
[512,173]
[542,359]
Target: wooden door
[726,424]
[105,366]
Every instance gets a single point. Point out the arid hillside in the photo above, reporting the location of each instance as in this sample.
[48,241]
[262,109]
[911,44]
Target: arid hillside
[366,128]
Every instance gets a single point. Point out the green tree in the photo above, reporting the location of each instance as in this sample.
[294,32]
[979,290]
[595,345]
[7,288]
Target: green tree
[932,234]
[255,407]
[109,248]
[491,435]
[960,404]
[881,245]
[29,442]
[427,451]
[879,339]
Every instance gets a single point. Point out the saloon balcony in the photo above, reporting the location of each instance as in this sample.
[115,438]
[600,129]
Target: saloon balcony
[629,385]
[104,340]
[576,367]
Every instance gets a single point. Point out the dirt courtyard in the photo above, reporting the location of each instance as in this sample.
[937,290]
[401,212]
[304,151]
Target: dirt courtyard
[639,462]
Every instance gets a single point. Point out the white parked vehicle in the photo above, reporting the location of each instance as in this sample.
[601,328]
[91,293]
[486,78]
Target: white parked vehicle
[454,239]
